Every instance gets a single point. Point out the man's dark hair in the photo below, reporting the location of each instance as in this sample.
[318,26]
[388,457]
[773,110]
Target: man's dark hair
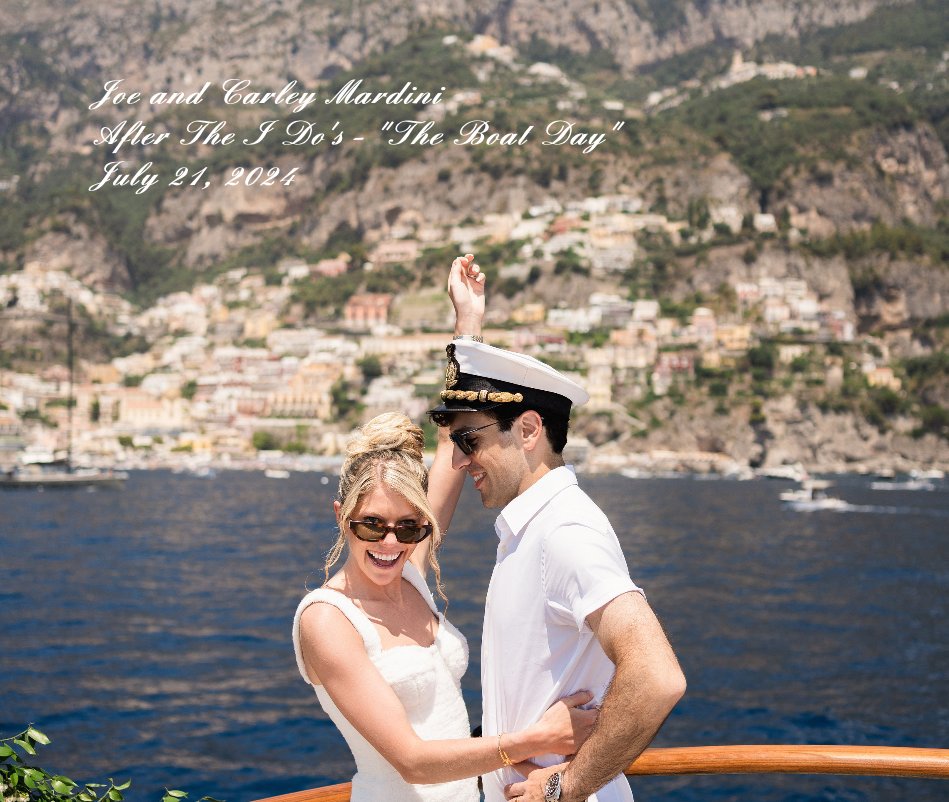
[556,423]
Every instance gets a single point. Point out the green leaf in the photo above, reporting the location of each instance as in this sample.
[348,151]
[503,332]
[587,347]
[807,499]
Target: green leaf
[178,794]
[168,799]
[37,736]
[24,745]
[124,786]
[60,787]
[85,796]
[115,796]
[6,751]
[28,781]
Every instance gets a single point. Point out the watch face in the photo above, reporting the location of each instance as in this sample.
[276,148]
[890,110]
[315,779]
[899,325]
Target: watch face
[552,789]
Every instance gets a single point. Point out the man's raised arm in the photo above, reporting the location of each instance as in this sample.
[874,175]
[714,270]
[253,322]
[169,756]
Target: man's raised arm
[466,284]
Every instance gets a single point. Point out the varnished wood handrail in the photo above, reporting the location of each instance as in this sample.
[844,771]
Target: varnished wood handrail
[887,761]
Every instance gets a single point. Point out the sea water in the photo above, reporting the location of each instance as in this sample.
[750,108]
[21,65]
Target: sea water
[146,630]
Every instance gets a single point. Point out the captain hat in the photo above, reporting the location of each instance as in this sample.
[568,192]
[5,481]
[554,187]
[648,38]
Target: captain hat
[481,377]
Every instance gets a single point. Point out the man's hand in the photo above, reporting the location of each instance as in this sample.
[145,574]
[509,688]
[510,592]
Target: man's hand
[532,789]
[466,291]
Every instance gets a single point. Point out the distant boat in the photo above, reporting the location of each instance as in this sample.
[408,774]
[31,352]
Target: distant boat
[276,473]
[795,472]
[811,496]
[41,470]
[203,472]
[57,474]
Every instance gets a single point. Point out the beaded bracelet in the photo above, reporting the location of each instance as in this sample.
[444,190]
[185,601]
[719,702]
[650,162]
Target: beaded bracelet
[503,755]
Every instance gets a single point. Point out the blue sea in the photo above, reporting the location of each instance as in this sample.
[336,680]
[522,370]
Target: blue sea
[146,630]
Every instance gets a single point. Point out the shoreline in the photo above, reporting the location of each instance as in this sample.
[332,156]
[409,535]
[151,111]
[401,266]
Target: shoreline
[646,465]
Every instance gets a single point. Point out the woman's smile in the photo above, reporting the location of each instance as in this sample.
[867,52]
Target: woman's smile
[383,560]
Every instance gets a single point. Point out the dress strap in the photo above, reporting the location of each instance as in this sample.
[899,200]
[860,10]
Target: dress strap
[365,628]
[415,578]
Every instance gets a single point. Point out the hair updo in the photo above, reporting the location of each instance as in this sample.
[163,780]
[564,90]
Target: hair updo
[390,431]
[386,452]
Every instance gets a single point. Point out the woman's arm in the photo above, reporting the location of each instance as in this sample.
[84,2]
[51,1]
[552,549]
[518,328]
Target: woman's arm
[466,290]
[336,658]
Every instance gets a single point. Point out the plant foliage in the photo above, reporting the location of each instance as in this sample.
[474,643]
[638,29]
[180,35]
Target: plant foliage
[22,782]
[818,117]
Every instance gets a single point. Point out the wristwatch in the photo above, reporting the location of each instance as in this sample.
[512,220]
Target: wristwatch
[552,789]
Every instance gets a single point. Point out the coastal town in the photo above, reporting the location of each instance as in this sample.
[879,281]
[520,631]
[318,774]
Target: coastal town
[246,369]
[231,380]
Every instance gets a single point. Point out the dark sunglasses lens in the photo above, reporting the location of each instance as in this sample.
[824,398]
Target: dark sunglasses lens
[412,534]
[365,530]
[460,439]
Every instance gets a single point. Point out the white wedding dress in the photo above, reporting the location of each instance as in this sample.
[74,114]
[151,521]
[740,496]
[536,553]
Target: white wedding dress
[428,683]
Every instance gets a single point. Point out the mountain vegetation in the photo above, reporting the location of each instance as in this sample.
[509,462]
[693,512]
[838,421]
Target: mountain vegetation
[849,157]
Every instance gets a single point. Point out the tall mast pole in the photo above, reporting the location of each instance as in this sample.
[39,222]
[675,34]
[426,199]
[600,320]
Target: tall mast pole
[69,402]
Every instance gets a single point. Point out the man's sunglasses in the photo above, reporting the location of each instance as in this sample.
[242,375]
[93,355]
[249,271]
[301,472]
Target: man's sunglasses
[374,531]
[463,439]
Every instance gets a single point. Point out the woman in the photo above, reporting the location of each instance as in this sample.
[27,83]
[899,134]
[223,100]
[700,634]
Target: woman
[384,663]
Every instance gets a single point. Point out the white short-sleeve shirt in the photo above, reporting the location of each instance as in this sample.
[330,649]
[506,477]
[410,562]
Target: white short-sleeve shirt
[558,561]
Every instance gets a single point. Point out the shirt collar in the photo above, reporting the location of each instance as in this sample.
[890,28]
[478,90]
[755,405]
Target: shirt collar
[515,517]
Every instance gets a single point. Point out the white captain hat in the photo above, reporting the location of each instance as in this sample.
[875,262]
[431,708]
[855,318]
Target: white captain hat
[480,377]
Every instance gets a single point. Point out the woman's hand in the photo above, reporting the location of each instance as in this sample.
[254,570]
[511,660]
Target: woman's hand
[565,725]
[466,291]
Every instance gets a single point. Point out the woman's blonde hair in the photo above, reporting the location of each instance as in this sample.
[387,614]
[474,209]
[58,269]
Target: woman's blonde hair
[386,452]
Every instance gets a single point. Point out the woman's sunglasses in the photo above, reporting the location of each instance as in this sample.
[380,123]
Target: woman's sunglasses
[374,531]
[463,439]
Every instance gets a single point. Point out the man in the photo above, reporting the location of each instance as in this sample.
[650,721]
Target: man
[562,613]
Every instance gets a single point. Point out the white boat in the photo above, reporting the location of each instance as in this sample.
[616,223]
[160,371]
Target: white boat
[203,472]
[636,473]
[795,472]
[44,469]
[37,477]
[276,473]
[811,496]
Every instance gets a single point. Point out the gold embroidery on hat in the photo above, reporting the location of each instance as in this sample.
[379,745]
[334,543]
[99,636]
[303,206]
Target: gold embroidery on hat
[452,369]
[481,396]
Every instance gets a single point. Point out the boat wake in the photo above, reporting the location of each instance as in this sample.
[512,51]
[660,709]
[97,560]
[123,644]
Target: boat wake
[878,509]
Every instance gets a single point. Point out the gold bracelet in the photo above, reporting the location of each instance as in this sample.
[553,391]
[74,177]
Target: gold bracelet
[505,760]
[476,337]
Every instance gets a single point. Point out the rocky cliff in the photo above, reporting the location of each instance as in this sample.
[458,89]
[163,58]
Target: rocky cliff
[887,171]
[180,40]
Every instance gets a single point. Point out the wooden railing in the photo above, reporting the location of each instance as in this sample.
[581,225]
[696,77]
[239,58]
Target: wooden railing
[888,761]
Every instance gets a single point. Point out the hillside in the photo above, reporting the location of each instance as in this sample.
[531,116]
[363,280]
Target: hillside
[717,118]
